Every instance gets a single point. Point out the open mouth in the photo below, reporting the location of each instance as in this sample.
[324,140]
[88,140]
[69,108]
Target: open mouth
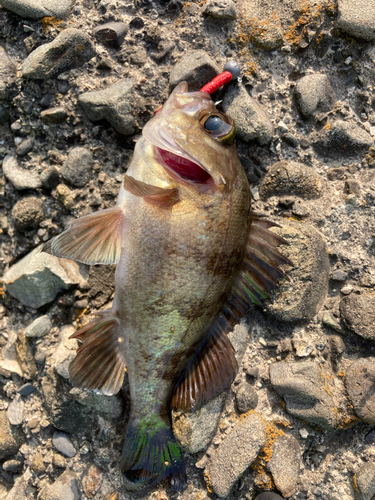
[183,170]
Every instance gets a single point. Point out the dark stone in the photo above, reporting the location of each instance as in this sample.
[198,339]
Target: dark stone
[70,416]
[78,166]
[25,147]
[47,100]
[27,212]
[111,34]
[246,398]
[291,140]
[8,73]
[50,177]
[136,23]
[63,86]
[26,389]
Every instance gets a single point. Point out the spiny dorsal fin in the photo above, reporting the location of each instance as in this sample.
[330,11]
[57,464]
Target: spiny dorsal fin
[260,269]
[161,197]
[93,239]
[98,363]
[210,373]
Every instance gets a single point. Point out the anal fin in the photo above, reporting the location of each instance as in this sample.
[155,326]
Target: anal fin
[93,239]
[161,197]
[99,364]
[210,373]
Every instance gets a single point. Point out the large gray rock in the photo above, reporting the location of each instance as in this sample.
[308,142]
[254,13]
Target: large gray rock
[8,73]
[197,69]
[18,492]
[77,167]
[303,389]
[360,384]
[252,121]
[314,93]
[342,139]
[18,176]
[8,443]
[36,9]
[221,9]
[70,49]
[235,454]
[66,487]
[300,298]
[27,212]
[287,178]
[39,327]
[194,431]
[365,480]
[357,18]
[285,464]
[358,314]
[39,277]
[115,104]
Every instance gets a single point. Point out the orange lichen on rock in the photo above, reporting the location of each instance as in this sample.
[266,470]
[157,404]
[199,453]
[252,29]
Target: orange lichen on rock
[208,482]
[310,16]
[51,22]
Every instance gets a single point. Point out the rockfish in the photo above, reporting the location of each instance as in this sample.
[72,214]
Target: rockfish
[191,257]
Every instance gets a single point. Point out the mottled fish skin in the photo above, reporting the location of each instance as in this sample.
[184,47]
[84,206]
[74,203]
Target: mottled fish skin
[180,245]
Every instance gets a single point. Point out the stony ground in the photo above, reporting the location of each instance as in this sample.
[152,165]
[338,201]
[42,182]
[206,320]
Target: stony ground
[78,81]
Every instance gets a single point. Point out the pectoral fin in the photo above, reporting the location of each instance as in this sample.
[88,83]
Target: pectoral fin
[209,374]
[93,239]
[99,364]
[161,197]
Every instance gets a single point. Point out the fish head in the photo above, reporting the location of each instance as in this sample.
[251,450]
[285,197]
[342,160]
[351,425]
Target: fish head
[193,141]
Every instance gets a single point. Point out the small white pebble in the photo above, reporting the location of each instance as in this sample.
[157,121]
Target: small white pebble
[303,433]
[347,289]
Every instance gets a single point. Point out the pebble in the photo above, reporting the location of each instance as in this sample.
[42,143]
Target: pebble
[65,352]
[74,48]
[236,453]
[66,487]
[339,275]
[304,433]
[346,290]
[314,93]
[92,481]
[285,464]
[111,34]
[341,139]
[15,410]
[115,104]
[246,398]
[36,9]
[18,176]
[12,466]
[301,298]
[221,9]
[50,177]
[37,278]
[302,387]
[290,139]
[365,480]
[8,73]
[37,464]
[39,327]
[288,178]
[358,314]
[25,147]
[58,461]
[78,166]
[54,115]
[252,121]
[62,442]
[25,356]
[27,212]
[328,320]
[360,384]
[8,443]
[65,196]
[197,69]
[357,20]
[26,389]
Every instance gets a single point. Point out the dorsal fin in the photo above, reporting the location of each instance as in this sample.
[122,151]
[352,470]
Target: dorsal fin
[161,197]
[92,239]
[99,364]
[210,373]
[260,269]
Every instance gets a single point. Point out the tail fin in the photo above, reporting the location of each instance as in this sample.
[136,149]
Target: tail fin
[151,455]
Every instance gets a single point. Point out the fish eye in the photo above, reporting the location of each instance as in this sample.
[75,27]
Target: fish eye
[220,127]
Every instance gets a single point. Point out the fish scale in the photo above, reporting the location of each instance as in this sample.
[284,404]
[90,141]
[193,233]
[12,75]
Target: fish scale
[191,258]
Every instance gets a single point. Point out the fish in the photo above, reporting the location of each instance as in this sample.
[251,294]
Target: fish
[191,260]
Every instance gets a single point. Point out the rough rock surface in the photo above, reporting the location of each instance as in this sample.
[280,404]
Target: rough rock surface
[70,49]
[37,278]
[226,466]
[285,464]
[314,93]
[18,176]
[303,389]
[356,20]
[252,122]
[197,68]
[301,298]
[28,212]
[359,382]
[365,481]
[77,168]
[114,104]
[8,70]
[66,486]
[35,9]
[8,444]
[358,314]
[291,178]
